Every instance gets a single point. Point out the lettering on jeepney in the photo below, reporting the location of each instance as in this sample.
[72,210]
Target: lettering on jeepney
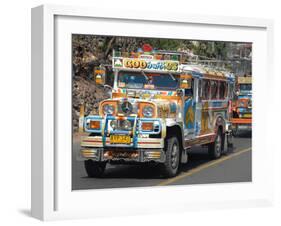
[129,63]
[149,64]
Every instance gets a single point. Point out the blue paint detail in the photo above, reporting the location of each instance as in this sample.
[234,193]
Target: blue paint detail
[244,110]
[135,136]
[249,96]
[196,74]
[173,107]
[189,104]
[216,104]
[197,128]
[105,131]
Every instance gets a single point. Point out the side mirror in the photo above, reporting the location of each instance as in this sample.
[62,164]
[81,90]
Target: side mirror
[99,76]
[180,92]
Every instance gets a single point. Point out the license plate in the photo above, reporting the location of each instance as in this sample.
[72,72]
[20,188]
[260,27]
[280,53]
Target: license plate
[120,139]
[247,115]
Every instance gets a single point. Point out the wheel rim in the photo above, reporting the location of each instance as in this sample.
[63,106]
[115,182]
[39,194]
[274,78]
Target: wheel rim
[174,156]
[218,145]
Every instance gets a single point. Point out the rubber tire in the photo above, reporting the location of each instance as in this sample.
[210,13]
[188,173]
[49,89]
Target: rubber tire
[230,144]
[94,169]
[167,169]
[213,154]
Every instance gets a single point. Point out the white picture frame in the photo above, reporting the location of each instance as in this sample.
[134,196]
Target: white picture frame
[52,197]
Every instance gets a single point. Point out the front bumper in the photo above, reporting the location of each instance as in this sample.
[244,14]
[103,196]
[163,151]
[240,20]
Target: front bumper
[99,141]
[122,155]
[242,123]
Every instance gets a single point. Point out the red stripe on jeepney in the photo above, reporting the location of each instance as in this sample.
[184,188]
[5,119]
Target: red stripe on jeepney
[93,141]
[241,120]
[214,108]
[148,142]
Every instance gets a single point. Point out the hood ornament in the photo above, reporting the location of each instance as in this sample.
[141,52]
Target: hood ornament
[127,107]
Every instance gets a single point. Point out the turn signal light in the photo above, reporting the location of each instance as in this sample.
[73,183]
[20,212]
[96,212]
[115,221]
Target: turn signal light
[147,126]
[95,125]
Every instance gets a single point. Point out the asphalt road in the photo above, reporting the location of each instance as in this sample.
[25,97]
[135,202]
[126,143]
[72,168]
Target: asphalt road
[235,166]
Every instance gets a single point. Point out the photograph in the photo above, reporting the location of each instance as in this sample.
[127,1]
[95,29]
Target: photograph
[152,111]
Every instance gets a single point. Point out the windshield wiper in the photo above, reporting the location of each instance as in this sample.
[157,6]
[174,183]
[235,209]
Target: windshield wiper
[172,76]
[144,75]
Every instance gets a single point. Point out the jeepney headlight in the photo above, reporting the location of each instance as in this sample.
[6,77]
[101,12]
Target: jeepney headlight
[126,124]
[113,124]
[108,109]
[147,111]
[250,103]
[241,104]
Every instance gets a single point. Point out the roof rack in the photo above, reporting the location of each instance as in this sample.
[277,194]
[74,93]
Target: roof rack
[183,57]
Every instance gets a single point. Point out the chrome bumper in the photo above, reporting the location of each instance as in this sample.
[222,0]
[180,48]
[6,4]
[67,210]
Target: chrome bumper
[122,155]
[99,141]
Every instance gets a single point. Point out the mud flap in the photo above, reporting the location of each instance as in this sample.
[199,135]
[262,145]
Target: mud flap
[228,142]
[184,156]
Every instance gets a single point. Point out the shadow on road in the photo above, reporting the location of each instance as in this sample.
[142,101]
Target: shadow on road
[197,157]
[244,134]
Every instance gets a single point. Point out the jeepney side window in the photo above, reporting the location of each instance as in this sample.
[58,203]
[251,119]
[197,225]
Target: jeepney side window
[205,89]
[199,89]
[214,89]
[226,90]
[222,90]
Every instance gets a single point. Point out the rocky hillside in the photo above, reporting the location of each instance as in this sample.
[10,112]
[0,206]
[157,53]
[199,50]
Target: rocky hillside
[89,52]
[86,93]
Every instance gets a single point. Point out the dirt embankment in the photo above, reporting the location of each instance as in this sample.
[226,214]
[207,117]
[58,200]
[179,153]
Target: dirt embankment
[86,93]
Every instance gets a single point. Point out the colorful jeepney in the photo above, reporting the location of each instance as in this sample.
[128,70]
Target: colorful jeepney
[242,106]
[159,108]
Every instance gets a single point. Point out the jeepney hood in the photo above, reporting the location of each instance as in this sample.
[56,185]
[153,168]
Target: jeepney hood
[166,106]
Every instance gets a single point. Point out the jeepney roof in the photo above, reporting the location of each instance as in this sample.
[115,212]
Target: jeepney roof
[208,72]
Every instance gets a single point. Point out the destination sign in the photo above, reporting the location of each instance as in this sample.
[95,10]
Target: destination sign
[146,64]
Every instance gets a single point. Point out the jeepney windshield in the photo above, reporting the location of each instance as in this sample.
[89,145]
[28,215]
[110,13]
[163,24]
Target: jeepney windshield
[245,87]
[144,80]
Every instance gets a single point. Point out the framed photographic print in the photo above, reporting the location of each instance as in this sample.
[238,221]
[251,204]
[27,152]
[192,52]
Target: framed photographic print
[148,113]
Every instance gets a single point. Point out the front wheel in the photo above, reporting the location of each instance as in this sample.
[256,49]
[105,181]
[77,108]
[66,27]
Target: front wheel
[171,164]
[94,169]
[215,148]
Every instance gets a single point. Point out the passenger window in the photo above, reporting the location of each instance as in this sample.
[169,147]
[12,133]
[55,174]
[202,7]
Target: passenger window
[205,89]
[222,90]
[199,89]
[214,89]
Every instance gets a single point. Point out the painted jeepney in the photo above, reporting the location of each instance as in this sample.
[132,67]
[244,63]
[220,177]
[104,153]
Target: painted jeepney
[159,108]
[242,106]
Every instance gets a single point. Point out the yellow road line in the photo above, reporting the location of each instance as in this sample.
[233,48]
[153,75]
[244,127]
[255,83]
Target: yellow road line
[202,167]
